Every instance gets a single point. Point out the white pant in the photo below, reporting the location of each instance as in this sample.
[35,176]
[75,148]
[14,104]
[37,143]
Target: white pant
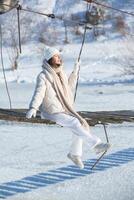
[75,126]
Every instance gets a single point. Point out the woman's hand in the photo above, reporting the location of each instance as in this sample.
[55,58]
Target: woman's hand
[77,66]
[31,113]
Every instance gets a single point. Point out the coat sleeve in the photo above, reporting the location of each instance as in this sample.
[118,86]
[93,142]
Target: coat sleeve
[72,80]
[39,92]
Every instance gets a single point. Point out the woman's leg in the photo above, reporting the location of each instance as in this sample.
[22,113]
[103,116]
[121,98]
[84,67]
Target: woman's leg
[75,126]
[81,133]
[76,146]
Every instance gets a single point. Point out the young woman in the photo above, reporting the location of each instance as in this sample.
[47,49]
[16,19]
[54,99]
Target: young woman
[53,96]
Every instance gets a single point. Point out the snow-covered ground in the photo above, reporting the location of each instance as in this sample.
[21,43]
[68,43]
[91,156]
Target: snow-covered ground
[33,157]
[30,151]
[33,162]
[89,98]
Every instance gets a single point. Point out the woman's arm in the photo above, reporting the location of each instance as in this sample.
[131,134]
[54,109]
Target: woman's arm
[72,80]
[39,92]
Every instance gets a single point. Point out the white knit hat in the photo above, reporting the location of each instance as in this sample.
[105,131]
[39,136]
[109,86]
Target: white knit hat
[49,52]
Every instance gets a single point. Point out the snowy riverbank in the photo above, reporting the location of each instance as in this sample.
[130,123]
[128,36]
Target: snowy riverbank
[102,62]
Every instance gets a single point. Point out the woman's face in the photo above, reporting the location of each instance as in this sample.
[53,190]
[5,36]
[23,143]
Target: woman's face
[56,60]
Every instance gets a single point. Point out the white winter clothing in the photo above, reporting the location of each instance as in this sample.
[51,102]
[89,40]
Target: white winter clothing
[49,52]
[31,113]
[60,84]
[47,100]
[79,131]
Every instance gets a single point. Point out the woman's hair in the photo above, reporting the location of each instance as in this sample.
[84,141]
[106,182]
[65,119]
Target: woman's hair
[50,61]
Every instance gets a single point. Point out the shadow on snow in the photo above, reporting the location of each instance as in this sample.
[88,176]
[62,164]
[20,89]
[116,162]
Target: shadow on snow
[63,174]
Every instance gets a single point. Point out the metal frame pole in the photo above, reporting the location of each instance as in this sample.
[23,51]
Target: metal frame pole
[18,19]
[107,139]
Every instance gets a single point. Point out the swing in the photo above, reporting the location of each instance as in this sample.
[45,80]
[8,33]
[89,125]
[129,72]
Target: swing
[7,5]
[99,122]
[93,18]
[93,15]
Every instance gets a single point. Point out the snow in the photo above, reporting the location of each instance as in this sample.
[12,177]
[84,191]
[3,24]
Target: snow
[100,62]
[33,149]
[89,98]
[30,149]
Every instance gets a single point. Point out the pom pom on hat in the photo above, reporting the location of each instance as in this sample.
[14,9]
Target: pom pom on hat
[49,52]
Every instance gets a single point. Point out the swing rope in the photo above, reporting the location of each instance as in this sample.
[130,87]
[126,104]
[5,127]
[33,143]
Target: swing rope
[51,15]
[107,140]
[110,7]
[3,68]
[18,20]
[81,49]
[99,122]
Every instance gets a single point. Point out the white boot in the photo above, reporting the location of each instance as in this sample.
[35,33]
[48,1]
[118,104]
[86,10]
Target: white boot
[76,160]
[101,147]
